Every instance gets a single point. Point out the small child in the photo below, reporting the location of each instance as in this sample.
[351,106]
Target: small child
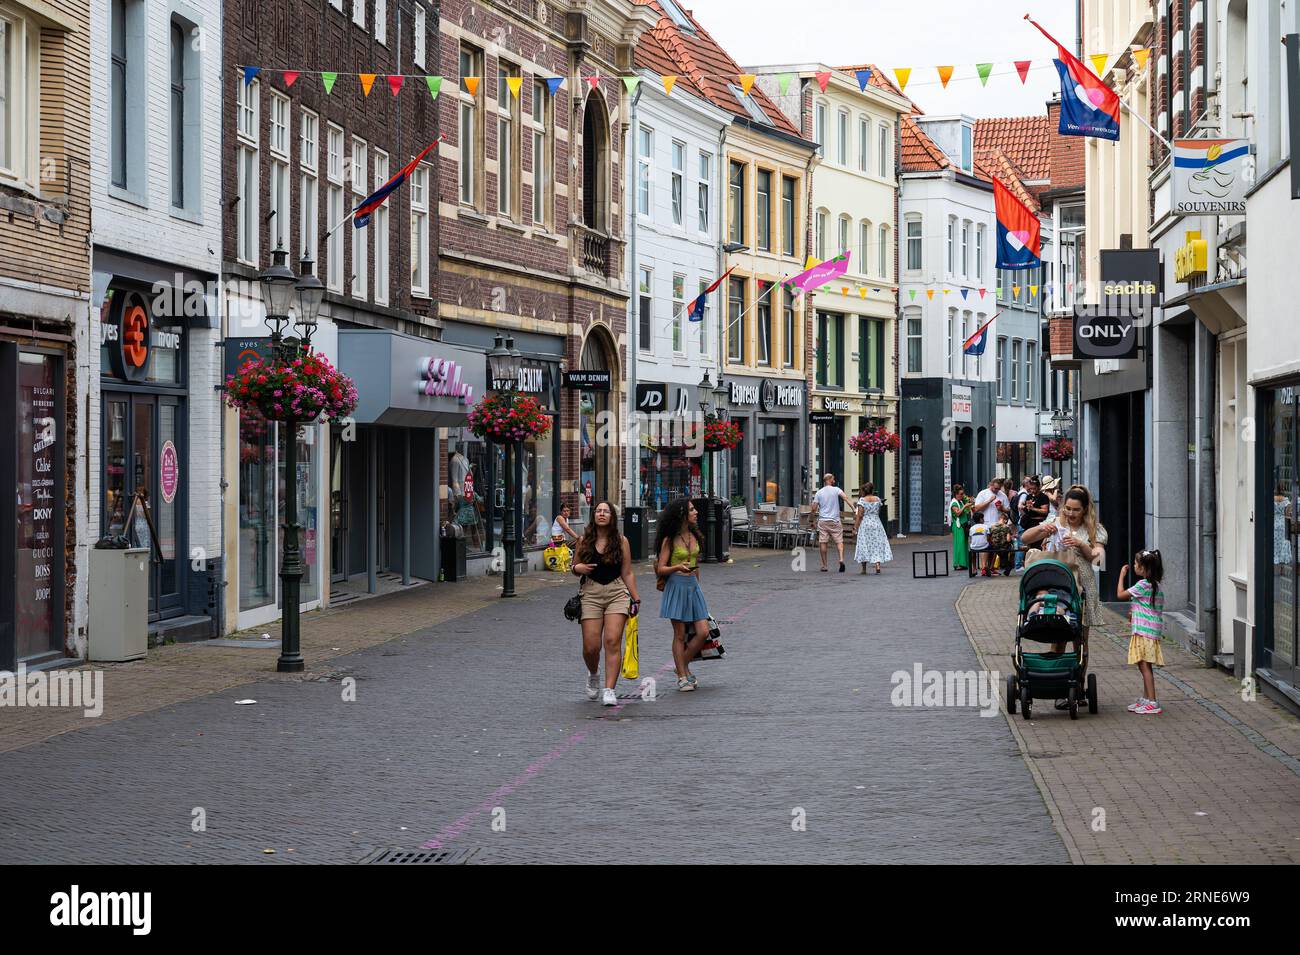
[1146,615]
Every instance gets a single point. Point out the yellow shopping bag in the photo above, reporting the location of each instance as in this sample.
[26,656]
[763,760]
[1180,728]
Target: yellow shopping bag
[631,668]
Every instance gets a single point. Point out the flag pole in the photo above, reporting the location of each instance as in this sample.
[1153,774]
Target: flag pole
[341,224]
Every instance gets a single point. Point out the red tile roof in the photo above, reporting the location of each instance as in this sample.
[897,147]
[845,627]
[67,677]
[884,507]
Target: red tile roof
[994,163]
[1025,140]
[708,67]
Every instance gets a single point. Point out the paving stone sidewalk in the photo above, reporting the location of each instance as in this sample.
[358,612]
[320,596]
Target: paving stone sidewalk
[1214,779]
[179,672]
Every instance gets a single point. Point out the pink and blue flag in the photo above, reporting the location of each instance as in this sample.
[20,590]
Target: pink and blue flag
[975,344]
[361,214]
[1019,231]
[1088,106]
[695,312]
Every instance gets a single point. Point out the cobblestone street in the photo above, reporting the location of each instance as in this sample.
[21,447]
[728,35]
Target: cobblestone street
[486,710]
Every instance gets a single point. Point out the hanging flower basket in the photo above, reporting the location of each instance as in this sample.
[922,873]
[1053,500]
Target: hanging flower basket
[300,389]
[874,441]
[1058,449]
[506,416]
[720,435]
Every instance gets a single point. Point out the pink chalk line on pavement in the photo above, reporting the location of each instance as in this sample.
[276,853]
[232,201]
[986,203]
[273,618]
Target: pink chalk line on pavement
[450,832]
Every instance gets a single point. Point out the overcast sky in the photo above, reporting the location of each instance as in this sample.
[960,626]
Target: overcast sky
[921,34]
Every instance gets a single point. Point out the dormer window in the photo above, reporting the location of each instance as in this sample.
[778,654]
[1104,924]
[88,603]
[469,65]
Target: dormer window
[751,107]
[675,14]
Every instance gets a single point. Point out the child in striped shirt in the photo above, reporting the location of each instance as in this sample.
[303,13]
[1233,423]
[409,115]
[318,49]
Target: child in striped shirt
[1146,616]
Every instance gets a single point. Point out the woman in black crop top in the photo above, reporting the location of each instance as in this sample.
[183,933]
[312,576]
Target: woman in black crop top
[603,560]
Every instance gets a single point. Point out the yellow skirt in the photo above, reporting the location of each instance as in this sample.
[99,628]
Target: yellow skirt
[1145,650]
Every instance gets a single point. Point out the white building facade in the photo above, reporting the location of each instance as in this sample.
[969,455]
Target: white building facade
[947,291]
[675,202]
[154,413]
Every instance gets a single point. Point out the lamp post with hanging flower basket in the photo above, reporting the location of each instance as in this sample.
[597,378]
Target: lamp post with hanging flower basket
[294,386]
[1058,450]
[506,417]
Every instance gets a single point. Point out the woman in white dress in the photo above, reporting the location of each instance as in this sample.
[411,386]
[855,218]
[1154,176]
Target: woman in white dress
[873,542]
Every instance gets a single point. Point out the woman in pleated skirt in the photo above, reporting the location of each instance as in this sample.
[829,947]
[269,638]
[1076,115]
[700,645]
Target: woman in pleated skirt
[678,546]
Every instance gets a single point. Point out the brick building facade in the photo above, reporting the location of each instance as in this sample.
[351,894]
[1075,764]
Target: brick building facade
[44,300]
[532,236]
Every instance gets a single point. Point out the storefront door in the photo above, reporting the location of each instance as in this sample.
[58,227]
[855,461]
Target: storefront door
[142,452]
[1280,628]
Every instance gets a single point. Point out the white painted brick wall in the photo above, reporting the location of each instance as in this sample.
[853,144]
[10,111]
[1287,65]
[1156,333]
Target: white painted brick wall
[154,231]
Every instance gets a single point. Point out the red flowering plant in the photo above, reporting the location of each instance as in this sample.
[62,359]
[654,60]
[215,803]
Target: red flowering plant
[720,434]
[301,388]
[874,441]
[1058,449]
[505,416]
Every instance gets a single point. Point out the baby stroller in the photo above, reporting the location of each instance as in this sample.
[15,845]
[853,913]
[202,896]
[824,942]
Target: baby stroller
[1051,611]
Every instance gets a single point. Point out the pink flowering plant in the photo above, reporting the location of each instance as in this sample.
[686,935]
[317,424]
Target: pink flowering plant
[506,416]
[874,441]
[1058,449]
[299,389]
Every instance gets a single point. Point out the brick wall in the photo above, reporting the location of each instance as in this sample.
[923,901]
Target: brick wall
[1067,153]
[314,35]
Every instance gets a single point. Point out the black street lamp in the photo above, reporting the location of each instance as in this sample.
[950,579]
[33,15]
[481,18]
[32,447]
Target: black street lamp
[503,368]
[279,289]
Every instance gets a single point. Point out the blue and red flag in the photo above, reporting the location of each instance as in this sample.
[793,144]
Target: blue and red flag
[975,344]
[361,214]
[1088,106]
[695,312]
[1019,231]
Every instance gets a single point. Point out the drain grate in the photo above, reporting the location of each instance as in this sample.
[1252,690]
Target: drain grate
[419,857]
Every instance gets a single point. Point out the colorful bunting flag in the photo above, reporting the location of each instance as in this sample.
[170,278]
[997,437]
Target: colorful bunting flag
[929,294]
[983,69]
[1098,63]
[903,73]
[1015,291]
[290,77]
[1033,291]
[746,82]
[1140,58]
[783,83]
[471,84]
[1022,67]
[593,81]
[945,74]
[250,72]
[367,81]
[435,85]
[515,83]
[823,77]
[395,84]
[668,84]
[862,291]
[982,291]
[631,83]
[911,295]
[964,293]
[864,77]
[553,84]
[844,290]
[327,81]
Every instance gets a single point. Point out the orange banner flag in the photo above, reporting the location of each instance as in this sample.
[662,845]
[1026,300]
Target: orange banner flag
[746,82]
[367,81]
[1140,58]
[471,84]
[945,74]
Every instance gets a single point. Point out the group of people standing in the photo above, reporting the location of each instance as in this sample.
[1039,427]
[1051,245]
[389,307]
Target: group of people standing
[872,545]
[1004,514]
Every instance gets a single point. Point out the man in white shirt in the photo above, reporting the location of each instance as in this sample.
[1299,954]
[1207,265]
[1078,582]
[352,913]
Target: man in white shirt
[991,502]
[829,526]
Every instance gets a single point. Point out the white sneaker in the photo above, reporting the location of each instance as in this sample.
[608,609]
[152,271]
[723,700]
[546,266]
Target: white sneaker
[1133,707]
[1149,708]
[607,698]
[593,685]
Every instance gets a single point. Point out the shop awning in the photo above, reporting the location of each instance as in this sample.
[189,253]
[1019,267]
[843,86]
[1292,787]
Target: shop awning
[1221,307]
[410,382]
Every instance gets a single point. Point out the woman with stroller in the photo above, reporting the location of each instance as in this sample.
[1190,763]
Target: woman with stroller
[678,545]
[1072,537]
[609,596]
